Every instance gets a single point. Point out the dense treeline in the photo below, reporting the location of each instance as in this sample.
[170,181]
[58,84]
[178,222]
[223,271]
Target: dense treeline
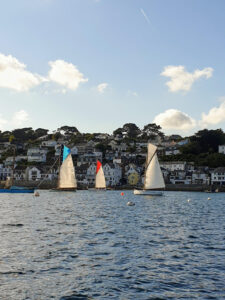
[202,149]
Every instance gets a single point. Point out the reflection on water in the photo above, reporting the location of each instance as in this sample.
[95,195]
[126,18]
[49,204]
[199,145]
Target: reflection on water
[91,245]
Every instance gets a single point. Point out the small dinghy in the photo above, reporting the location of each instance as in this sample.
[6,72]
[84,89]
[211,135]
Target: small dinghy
[130,203]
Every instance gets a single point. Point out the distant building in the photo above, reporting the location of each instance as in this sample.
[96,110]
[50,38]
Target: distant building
[33,173]
[218,176]
[221,149]
[36,155]
[49,143]
[200,177]
[112,172]
[5,172]
[172,151]
[180,177]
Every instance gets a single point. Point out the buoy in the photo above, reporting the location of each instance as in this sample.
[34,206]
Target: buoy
[209,198]
[36,194]
[129,203]
[188,200]
[122,194]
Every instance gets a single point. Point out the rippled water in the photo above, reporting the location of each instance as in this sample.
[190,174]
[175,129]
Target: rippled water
[91,245]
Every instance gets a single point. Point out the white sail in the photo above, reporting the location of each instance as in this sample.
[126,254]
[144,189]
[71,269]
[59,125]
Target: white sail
[153,174]
[100,179]
[67,177]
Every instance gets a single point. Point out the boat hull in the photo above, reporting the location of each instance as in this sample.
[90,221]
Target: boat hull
[64,190]
[17,191]
[147,193]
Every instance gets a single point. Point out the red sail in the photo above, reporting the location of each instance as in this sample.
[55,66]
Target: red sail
[98,166]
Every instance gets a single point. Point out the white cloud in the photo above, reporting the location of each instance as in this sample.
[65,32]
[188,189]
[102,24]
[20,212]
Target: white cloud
[181,80]
[101,87]
[174,119]
[215,115]
[20,117]
[13,75]
[65,74]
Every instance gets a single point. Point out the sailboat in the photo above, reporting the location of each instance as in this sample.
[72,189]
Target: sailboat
[66,180]
[9,187]
[153,180]
[100,177]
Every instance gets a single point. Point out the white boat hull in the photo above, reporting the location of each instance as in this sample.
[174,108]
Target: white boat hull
[148,193]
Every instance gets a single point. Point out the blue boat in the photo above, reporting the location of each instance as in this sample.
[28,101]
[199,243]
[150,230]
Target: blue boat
[18,190]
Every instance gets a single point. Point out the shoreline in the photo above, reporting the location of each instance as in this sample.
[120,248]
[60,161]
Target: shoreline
[169,187]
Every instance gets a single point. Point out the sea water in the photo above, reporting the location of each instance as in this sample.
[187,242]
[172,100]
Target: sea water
[91,245]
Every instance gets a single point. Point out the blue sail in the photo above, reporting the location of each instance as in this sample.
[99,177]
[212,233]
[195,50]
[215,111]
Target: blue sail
[66,152]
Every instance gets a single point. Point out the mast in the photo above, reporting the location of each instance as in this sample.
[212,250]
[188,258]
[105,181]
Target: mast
[60,154]
[13,166]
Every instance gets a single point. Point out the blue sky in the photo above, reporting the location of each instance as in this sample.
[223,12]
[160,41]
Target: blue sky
[97,64]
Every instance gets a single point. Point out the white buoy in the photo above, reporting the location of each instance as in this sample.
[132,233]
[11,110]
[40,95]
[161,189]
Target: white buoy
[209,198]
[188,200]
[36,194]
[130,203]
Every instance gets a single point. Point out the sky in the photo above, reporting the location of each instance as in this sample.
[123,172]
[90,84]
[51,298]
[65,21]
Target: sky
[98,64]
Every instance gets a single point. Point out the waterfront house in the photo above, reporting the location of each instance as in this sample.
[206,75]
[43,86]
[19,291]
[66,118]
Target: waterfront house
[34,173]
[113,174]
[200,176]
[5,172]
[180,177]
[218,176]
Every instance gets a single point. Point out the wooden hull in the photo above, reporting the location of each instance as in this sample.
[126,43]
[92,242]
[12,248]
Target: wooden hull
[147,193]
[64,190]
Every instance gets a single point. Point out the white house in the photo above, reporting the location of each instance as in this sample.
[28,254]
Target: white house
[5,172]
[177,165]
[36,155]
[34,173]
[218,176]
[113,174]
[200,177]
[222,149]
[49,143]
[180,177]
